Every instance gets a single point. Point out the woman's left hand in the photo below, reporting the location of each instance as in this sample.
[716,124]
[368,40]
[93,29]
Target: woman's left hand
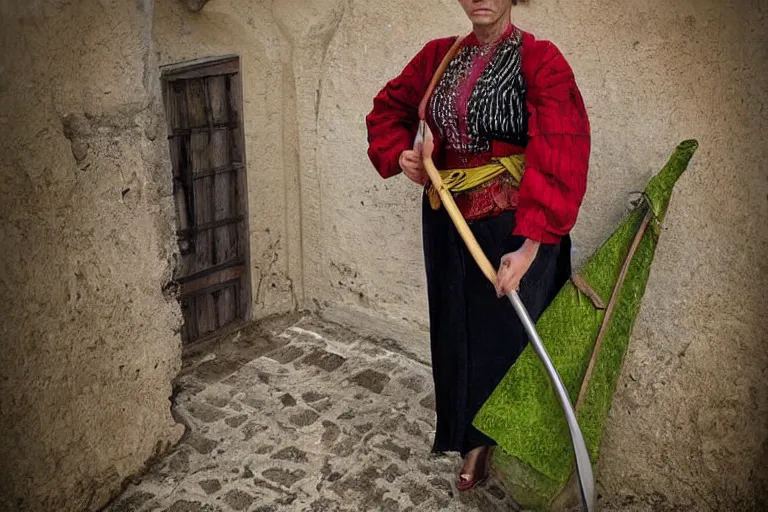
[514,266]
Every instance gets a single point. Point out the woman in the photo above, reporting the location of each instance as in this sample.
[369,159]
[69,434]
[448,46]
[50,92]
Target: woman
[507,112]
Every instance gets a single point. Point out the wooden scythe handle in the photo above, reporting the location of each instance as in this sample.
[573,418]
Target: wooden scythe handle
[450,206]
[611,305]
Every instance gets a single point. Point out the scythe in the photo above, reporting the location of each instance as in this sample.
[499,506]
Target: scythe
[583,464]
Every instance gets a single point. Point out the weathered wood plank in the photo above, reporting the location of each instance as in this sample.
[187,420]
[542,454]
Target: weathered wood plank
[178,117]
[234,167]
[199,162]
[201,68]
[205,314]
[220,154]
[203,284]
[234,103]
[177,111]
[196,103]
[224,201]
[234,88]
[217,87]
[189,326]
[202,230]
[226,302]
[211,270]
[208,226]
[184,132]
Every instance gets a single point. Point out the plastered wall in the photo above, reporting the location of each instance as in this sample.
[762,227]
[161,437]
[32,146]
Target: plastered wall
[89,342]
[690,420]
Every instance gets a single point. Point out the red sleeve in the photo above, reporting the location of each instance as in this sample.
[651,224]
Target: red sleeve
[557,155]
[394,120]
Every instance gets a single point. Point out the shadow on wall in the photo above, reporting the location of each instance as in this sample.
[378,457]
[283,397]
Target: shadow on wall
[195,5]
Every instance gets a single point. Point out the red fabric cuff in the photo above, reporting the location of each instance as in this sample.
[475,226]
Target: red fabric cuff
[531,224]
[386,158]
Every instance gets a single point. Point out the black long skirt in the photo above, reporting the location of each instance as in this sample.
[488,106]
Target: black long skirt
[475,336]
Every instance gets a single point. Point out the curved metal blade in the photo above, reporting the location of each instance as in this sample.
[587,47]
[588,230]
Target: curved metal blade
[584,472]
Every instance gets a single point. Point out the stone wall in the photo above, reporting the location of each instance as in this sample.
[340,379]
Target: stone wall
[89,342]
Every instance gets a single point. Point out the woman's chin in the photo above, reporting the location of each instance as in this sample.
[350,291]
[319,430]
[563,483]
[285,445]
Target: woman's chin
[482,20]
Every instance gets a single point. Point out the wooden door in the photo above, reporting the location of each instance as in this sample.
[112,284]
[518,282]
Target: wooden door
[203,101]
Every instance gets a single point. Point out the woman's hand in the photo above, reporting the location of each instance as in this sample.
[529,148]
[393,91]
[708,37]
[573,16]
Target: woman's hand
[413,166]
[514,266]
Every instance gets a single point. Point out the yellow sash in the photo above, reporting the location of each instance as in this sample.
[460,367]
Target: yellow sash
[462,180]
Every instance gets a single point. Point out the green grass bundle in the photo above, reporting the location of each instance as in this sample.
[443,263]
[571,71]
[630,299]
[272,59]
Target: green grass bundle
[535,459]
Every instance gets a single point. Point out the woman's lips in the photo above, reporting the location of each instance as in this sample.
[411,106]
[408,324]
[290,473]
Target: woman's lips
[481,11]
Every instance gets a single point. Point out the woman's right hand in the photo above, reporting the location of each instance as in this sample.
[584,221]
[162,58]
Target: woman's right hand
[413,166]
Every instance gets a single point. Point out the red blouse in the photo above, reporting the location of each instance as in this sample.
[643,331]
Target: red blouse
[558,147]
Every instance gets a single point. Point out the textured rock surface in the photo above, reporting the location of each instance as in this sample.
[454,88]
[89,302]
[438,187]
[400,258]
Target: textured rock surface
[365,448]
[89,342]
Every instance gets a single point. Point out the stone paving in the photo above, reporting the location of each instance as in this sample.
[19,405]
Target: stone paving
[304,415]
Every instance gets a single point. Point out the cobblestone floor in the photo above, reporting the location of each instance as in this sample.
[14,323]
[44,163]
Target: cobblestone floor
[303,415]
